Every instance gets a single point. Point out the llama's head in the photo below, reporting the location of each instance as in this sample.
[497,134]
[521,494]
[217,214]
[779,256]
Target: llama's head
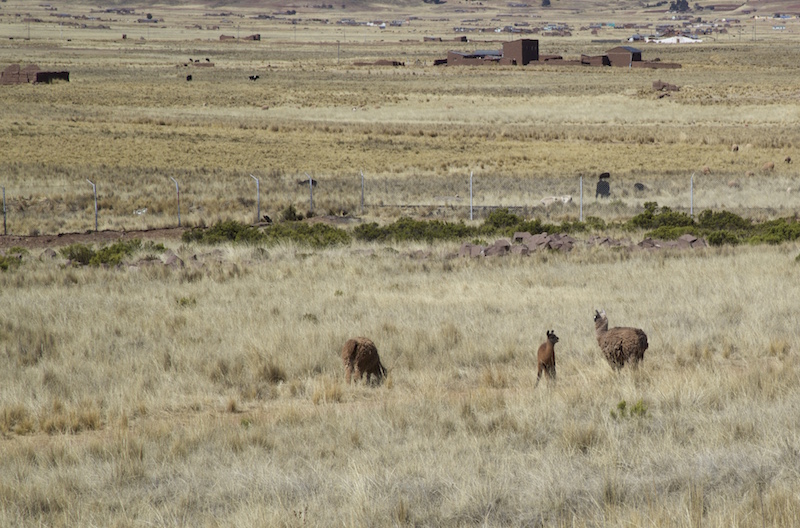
[552,337]
[600,320]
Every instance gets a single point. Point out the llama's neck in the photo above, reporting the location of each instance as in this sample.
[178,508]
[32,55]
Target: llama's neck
[601,327]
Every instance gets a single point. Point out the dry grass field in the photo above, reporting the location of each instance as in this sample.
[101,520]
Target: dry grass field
[214,395]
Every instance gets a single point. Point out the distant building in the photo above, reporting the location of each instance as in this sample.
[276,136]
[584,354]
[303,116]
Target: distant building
[515,53]
[624,56]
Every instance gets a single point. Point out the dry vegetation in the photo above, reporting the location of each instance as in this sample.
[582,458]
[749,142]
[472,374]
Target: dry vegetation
[214,395]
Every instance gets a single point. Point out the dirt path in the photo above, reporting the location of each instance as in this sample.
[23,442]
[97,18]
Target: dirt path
[91,237]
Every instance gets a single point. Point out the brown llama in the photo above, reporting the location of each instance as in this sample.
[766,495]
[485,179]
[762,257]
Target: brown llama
[360,356]
[547,358]
[620,344]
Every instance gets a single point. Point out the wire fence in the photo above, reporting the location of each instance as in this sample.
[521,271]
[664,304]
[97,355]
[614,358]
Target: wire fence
[254,198]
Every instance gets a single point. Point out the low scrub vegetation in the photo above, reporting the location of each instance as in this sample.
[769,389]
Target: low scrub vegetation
[718,227]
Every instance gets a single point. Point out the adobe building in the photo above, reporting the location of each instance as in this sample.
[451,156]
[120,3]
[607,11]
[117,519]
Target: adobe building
[13,74]
[515,53]
[624,56]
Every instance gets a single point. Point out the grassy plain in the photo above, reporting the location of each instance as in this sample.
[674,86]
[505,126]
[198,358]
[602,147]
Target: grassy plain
[129,121]
[213,395]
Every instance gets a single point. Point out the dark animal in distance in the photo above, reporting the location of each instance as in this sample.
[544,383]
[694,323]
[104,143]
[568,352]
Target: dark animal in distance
[208,60]
[604,176]
[188,77]
[305,182]
[620,345]
[546,358]
[603,189]
[639,186]
[267,219]
[253,77]
[360,356]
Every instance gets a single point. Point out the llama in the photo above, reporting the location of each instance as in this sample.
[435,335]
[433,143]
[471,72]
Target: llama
[360,356]
[619,344]
[547,357]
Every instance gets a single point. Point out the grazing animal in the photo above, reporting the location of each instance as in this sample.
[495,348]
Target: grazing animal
[706,170]
[768,166]
[253,77]
[787,159]
[604,176]
[735,148]
[188,77]
[208,60]
[620,345]
[547,358]
[639,186]
[360,357]
[305,182]
[603,189]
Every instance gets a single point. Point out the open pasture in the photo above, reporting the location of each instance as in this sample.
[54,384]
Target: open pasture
[214,394]
[128,121]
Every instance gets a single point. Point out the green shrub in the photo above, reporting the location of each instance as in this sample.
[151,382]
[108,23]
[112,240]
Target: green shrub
[227,231]
[315,235]
[290,214]
[722,221]
[78,253]
[113,254]
[408,229]
[652,218]
[595,223]
[9,262]
[500,218]
[671,233]
[721,238]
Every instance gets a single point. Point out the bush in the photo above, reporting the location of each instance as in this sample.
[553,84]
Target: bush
[9,262]
[722,221]
[315,235]
[113,254]
[721,238]
[290,214]
[652,218]
[77,253]
[228,231]
[408,229]
[671,233]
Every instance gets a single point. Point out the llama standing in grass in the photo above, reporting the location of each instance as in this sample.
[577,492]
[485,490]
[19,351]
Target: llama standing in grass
[360,356]
[547,357]
[621,344]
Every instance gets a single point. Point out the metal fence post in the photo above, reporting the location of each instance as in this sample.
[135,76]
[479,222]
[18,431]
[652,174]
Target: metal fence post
[362,192]
[94,190]
[691,196]
[258,199]
[581,199]
[5,230]
[310,193]
[178,191]
[470,195]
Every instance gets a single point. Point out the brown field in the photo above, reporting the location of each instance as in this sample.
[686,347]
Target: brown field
[213,394]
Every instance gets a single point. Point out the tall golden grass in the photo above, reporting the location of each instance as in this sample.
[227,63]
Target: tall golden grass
[215,396]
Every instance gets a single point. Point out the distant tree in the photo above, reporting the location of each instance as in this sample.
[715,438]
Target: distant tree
[545,3]
[149,16]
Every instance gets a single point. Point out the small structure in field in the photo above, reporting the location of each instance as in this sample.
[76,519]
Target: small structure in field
[14,74]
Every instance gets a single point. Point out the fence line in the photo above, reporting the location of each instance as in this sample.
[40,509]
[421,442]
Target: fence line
[452,202]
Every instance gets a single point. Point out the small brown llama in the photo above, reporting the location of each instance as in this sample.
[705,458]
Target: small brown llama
[547,357]
[360,356]
[620,345]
